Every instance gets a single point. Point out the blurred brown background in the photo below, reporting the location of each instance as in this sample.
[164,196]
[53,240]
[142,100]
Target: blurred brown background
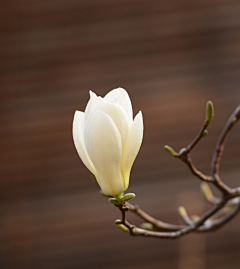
[172,57]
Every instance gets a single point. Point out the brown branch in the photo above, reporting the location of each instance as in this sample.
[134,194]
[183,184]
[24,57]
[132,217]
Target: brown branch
[194,227]
[235,192]
[222,140]
[214,178]
[219,151]
[218,223]
[158,224]
[187,160]
[184,155]
[211,220]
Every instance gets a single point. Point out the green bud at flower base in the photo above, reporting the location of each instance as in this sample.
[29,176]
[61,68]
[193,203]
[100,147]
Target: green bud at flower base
[108,139]
[113,201]
[209,112]
[128,196]
[121,199]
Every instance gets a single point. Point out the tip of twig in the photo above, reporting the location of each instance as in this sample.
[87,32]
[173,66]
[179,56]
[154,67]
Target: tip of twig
[209,112]
[182,211]
[206,191]
[170,150]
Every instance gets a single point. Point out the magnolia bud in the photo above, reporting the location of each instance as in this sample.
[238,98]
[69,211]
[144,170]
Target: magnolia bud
[107,139]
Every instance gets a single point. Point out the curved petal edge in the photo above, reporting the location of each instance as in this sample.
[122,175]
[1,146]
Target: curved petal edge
[132,147]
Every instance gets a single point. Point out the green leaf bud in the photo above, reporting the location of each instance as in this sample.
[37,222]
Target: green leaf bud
[206,191]
[122,227]
[113,201]
[170,150]
[147,226]
[209,112]
[127,197]
[182,211]
[204,133]
[118,221]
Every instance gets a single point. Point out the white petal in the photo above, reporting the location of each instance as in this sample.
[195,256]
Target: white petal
[103,143]
[120,118]
[92,94]
[121,97]
[115,111]
[132,147]
[94,104]
[78,139]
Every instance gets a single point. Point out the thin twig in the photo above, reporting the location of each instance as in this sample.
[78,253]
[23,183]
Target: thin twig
[184,155]
[222,140]
[183,231]
[211,220]
[187,160]
[158,224]
[218,223]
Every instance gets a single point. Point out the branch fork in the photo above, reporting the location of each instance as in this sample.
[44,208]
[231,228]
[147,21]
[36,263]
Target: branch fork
[223,209]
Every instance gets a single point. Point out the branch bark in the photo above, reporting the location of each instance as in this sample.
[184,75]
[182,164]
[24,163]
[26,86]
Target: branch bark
[223,210]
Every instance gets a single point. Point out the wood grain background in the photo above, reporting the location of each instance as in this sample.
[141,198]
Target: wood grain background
[172,57]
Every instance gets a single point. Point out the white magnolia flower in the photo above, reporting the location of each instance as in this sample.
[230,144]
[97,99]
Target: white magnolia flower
[107,139]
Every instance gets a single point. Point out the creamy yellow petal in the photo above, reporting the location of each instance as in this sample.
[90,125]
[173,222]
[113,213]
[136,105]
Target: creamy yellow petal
[104,146]
[120,118]
[132,147]
[78,139]
[121,97]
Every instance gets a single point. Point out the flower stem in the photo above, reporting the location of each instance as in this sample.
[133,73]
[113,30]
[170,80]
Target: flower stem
[119,198]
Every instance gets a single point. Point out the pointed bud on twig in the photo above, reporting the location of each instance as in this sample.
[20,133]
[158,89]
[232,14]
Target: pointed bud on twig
[170,150]
[206,191]
[128,196]
[118,221]
[147,226]
[204,133]
[234,120]
[122,227]
[209,112]
[182,211]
